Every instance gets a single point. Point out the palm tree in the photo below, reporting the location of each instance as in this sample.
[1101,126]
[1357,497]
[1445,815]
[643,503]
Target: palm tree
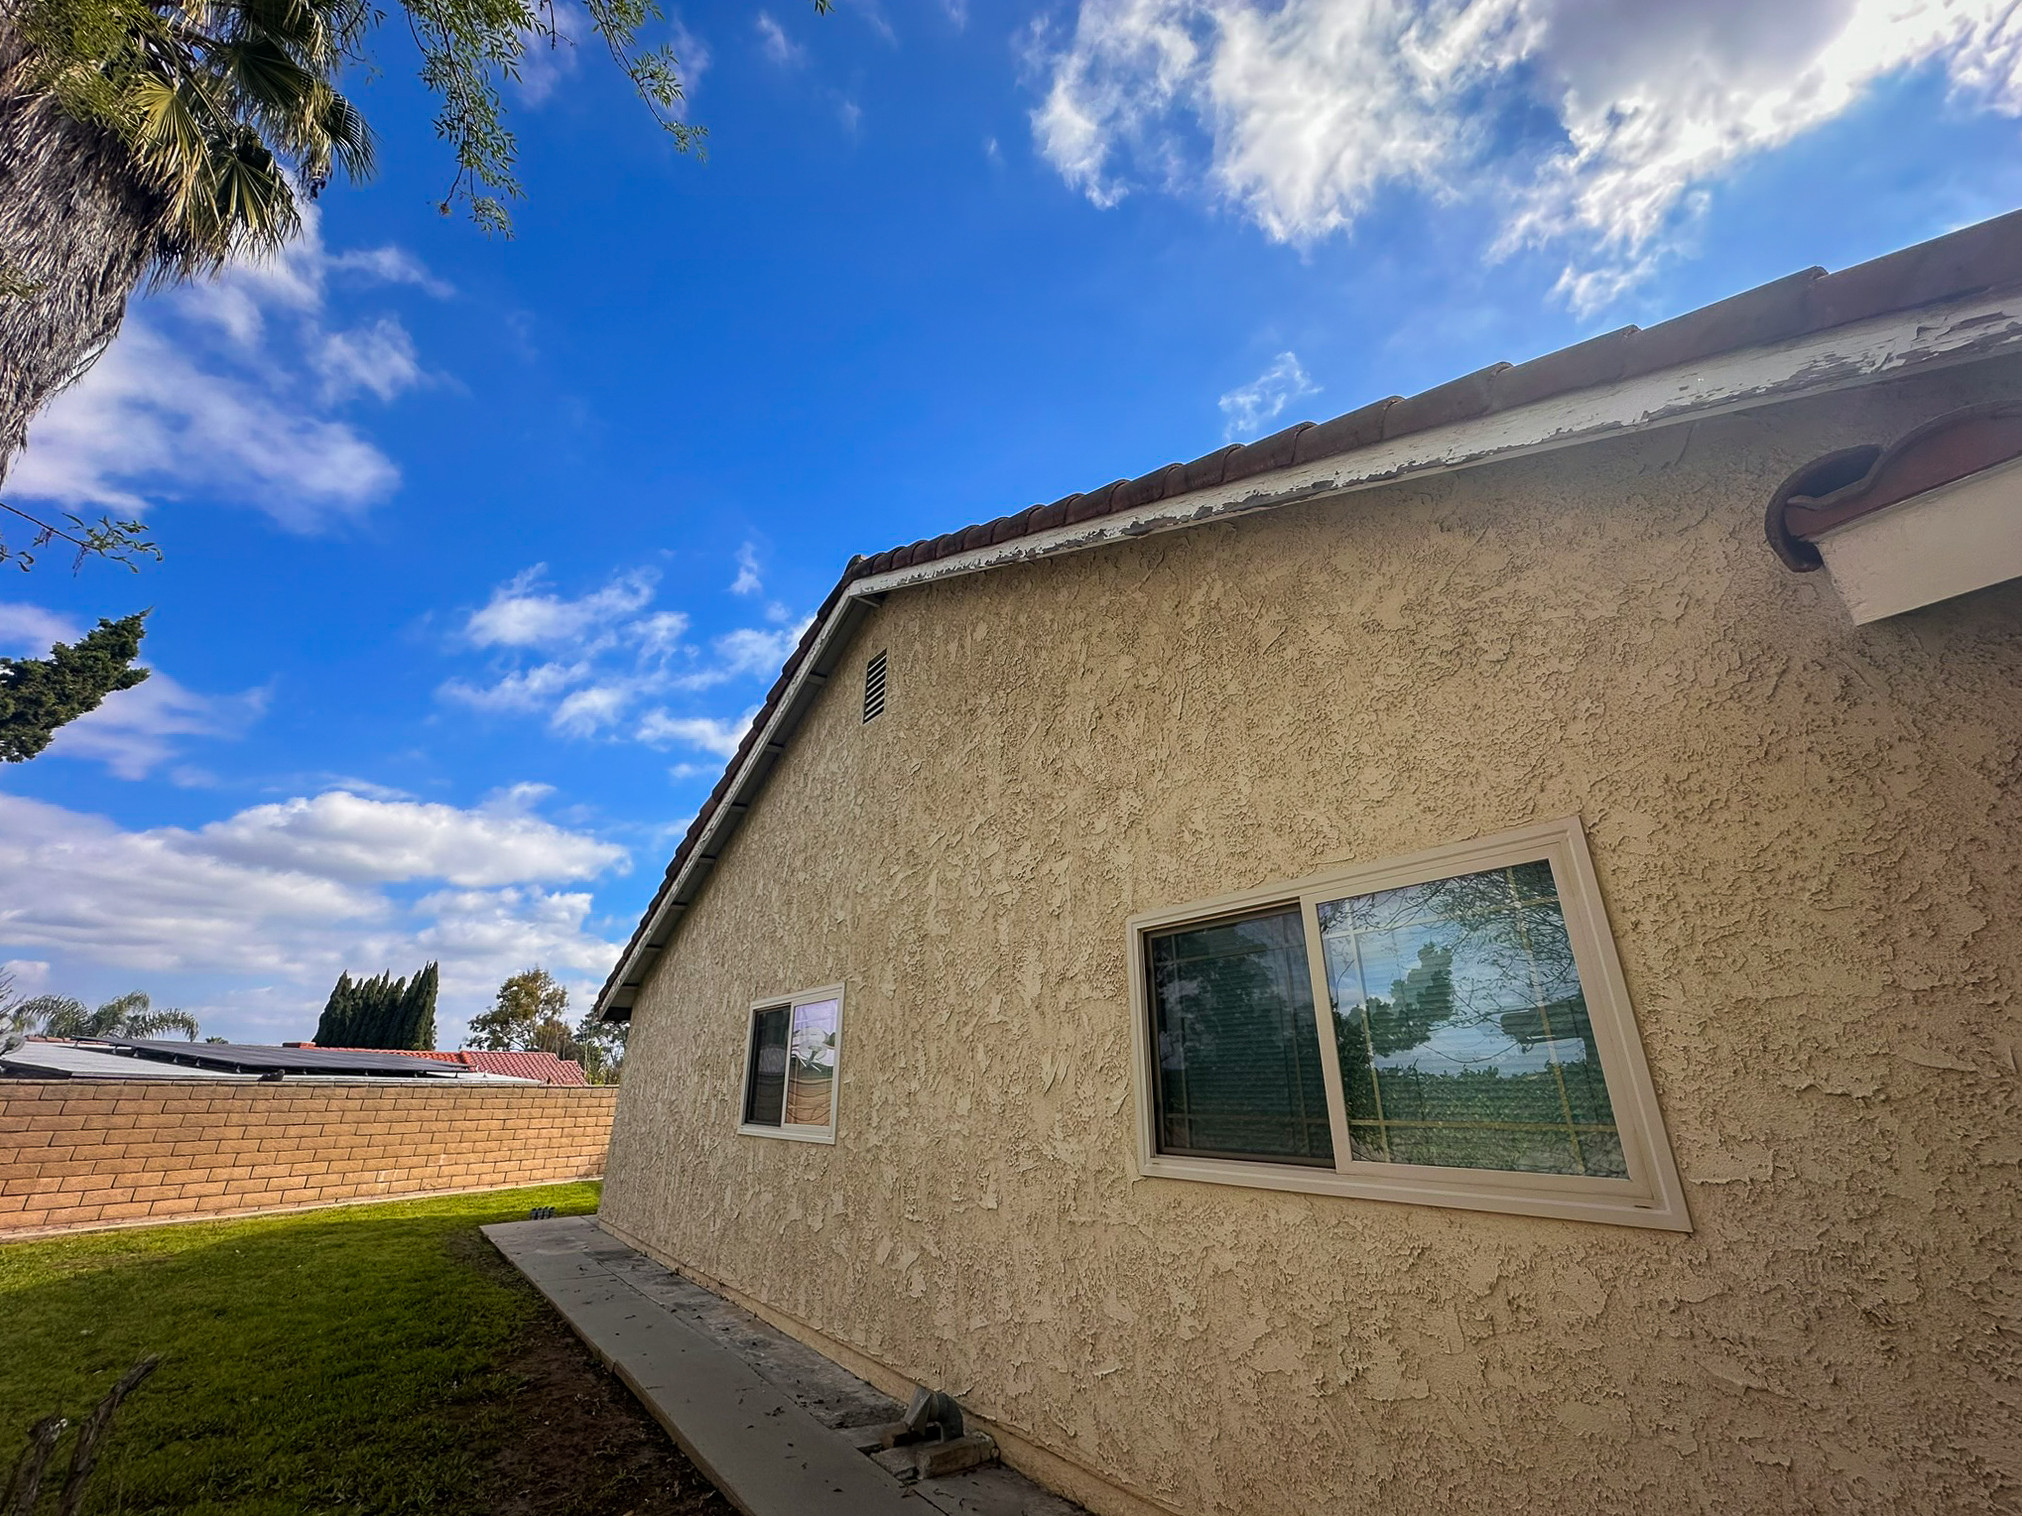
[158,139]
[151,139]
[126,1016]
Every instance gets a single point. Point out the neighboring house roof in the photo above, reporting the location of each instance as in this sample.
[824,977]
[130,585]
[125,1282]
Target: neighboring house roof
[1820,331]
[546,1067]
[40,1059]
[145,1058]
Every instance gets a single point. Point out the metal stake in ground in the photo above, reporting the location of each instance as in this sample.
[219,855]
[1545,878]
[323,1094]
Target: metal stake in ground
[94,1430]
[34,1458]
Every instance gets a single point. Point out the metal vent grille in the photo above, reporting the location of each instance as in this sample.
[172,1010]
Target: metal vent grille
[874,687]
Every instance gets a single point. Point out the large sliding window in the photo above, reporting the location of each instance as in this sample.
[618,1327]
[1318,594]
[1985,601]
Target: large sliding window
[790,1066]
[1448,1029]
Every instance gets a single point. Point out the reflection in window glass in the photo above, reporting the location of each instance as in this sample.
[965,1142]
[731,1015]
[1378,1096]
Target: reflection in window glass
[1238,1049]
[765,1086]
[1462,1030]
[810,1076]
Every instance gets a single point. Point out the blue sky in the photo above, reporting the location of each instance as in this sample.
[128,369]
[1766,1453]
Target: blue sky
[480,552]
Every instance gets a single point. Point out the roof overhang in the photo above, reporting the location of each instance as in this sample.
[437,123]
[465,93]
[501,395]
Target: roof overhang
[1984,325]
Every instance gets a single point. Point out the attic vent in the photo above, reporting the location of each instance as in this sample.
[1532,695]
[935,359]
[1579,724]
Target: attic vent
[874,687]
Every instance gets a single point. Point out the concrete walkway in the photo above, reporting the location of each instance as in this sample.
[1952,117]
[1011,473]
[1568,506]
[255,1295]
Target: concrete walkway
[765,1417]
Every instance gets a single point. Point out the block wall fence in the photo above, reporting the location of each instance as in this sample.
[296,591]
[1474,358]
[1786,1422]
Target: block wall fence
[78,1152]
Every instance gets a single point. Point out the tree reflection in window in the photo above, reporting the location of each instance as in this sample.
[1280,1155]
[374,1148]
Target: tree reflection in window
[1462,1031]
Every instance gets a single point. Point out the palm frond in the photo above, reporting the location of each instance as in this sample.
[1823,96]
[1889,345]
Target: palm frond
[154,1023]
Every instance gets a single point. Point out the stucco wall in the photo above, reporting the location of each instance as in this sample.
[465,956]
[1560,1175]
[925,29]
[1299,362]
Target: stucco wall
[1806,835]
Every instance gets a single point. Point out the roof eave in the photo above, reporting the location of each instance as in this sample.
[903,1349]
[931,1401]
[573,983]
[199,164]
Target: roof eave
[1971,328]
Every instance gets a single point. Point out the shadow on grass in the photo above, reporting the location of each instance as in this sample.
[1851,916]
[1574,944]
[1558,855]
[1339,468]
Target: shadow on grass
[360,1359]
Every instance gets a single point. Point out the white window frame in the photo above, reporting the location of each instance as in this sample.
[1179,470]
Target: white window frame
[1651,1196]
[791,1003]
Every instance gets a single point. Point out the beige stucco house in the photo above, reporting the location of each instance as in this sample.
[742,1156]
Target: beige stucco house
[1427,963]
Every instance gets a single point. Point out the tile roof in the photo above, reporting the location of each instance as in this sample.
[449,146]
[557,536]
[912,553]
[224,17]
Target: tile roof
[545,1067]
[1984,256]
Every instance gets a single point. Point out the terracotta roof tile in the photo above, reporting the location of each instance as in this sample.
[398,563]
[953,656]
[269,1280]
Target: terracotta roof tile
[1598,360]
[1976,258]
[1460,399]
[1344,434]
[1754,318]
[545,1067]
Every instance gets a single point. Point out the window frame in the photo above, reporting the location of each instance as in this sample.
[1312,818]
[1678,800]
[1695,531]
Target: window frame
[802,1132]
[1651,1196]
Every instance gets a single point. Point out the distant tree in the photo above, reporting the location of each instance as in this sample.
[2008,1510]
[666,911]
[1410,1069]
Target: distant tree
[382,1012]
[127,1016]
[601,1048]
[529,1014]
[38,695]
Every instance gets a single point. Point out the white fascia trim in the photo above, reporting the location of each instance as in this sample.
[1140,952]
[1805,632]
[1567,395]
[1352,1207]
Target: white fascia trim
[1980,326]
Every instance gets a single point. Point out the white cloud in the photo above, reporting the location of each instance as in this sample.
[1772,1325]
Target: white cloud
[132,732]
[30,630]
[587,711]
[1298,113]
[338,835]
[278,899]
[523,613]
[606,653]
[1250,407]
[232,389]
[704,732]
[379,358]
[775,44]
[747,581]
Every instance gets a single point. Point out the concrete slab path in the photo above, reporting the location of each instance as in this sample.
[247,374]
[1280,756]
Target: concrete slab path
[764,1416]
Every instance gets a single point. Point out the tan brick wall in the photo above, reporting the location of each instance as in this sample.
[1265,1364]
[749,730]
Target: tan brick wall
[81,1152]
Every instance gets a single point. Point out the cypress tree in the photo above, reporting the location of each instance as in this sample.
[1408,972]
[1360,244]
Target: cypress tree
[38,695]
[334,1028]
[418,1022]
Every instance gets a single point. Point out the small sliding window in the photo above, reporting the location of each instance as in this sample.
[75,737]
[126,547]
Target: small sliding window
[1446,1029]
[791,1066]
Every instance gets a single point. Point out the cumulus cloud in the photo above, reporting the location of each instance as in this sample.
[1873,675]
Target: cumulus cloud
[608,662]
[1250,407]
[339,835]
[277,900]
[1593,121]
[235,388]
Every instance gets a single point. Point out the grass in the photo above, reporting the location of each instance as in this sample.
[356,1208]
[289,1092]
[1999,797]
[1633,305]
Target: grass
[369,1359]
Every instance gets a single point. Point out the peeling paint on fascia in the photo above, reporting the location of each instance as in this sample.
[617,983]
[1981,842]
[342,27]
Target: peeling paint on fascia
[1982,326]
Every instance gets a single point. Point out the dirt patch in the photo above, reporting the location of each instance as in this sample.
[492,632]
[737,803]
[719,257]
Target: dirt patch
[582,1445]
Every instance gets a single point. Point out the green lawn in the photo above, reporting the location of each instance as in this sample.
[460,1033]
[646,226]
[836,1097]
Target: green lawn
[371,1359]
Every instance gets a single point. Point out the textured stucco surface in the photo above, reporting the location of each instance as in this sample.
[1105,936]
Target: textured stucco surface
[1806,835]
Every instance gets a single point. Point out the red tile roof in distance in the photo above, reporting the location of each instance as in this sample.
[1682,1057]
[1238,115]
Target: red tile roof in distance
[545,1067]
[1981,257]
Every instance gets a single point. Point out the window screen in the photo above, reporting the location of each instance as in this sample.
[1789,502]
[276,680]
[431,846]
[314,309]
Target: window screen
[765,1084]
[1237,1045]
